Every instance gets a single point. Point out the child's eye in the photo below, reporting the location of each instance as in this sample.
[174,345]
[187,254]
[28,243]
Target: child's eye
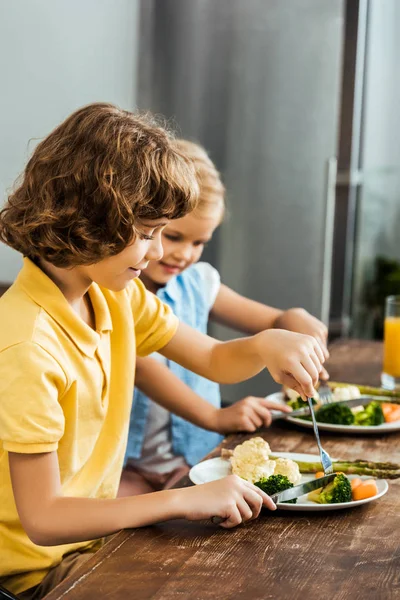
[147,237]
[172,238]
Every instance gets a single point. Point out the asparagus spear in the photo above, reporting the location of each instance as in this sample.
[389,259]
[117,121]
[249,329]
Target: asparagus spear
[354,467]
[367,390]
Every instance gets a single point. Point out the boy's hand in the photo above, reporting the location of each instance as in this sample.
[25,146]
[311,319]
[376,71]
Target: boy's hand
[293,359]
[231,498]
[300,321]
[247,415]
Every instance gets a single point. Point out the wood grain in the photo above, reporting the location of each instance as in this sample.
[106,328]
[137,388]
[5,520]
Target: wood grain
[283,555]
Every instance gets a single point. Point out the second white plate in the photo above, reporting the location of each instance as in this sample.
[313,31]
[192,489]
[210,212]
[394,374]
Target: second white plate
[384,428]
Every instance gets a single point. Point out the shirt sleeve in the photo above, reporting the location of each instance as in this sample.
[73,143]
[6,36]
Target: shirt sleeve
[31,385]
[211,282]
[155,323]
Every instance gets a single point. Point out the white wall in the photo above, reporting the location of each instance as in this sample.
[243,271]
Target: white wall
[57,55]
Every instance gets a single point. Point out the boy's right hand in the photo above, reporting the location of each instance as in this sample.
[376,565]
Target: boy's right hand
[293,359]
[232,499]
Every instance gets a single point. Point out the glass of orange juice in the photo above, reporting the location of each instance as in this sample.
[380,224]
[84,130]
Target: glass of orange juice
[390,377]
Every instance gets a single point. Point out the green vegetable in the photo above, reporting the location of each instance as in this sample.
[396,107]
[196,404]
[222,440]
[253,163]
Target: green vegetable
[335,413]
[341,414]
[300,403]
[275,484]
[380,470]
[338,490]
[371,415]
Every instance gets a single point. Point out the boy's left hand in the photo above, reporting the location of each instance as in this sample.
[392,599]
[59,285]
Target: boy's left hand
[300,321]
[247,415]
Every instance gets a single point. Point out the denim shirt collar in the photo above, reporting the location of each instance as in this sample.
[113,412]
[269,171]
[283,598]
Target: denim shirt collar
[171,290]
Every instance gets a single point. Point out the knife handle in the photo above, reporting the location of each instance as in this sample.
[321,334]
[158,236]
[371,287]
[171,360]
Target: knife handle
[300,412]
[217,520]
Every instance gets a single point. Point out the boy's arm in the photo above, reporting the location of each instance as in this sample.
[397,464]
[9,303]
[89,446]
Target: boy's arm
[293,359]
[241,313]
[49,518]
[161,385]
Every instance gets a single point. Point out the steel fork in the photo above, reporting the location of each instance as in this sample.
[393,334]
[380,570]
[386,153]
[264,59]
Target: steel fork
[325,458]
[325,394]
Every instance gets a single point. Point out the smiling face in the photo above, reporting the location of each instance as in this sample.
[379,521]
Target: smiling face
[183,242]
[115,272]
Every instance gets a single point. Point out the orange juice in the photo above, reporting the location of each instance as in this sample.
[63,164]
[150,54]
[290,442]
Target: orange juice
[391,359]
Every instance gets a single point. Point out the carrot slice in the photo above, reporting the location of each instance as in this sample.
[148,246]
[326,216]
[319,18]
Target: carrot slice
[367,489]
[355,483]
[388,407]
[393,416]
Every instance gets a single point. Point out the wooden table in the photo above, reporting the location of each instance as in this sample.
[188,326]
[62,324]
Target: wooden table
[348,554]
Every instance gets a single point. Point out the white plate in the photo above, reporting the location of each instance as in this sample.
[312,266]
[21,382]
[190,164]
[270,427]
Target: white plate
[384,428]
[217,468]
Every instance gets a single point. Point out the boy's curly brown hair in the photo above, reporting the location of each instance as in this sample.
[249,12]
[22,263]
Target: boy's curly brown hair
[90,183]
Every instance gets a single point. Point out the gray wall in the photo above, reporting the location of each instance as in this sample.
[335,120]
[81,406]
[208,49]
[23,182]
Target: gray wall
[57,55]
[381,143]
[257,82]
[379,209]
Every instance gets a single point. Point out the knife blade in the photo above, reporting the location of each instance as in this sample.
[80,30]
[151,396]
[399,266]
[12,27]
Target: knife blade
[303,488]
[304,412]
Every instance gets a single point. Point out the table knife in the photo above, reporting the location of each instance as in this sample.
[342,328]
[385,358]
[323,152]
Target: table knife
[303,488]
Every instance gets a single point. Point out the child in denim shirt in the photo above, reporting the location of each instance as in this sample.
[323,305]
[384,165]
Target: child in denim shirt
[162,445]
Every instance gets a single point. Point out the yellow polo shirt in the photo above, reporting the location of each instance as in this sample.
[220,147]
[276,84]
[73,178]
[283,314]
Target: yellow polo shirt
[66,387]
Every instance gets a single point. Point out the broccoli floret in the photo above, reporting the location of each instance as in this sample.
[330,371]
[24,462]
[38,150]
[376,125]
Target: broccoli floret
[338,490]
[300,403]
[336,414]
[275,484]
[371,415]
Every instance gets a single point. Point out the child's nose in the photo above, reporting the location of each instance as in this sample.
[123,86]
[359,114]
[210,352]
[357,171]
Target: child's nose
[155,251]
[184,253]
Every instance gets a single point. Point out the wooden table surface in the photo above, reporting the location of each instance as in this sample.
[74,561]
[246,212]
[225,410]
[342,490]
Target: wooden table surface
[348,554]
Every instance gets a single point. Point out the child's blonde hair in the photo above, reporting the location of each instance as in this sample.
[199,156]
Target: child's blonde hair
[212,190]
[91,181]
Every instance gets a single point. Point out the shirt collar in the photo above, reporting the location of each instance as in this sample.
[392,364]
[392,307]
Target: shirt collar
[44,292]
[171,290]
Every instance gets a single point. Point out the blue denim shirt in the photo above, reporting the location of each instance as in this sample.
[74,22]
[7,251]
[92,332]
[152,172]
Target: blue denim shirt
[187,295]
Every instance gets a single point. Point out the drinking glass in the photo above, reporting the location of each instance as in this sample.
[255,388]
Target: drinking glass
[390,377]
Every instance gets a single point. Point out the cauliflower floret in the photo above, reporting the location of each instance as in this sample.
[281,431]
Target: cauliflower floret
[286,466]
[252,472]
[349,392]
[250,460]
[293,395]
[255,448]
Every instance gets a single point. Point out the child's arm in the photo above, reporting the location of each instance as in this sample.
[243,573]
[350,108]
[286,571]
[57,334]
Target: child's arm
[49,518]
[251,317]
[161,385]
[293,359]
